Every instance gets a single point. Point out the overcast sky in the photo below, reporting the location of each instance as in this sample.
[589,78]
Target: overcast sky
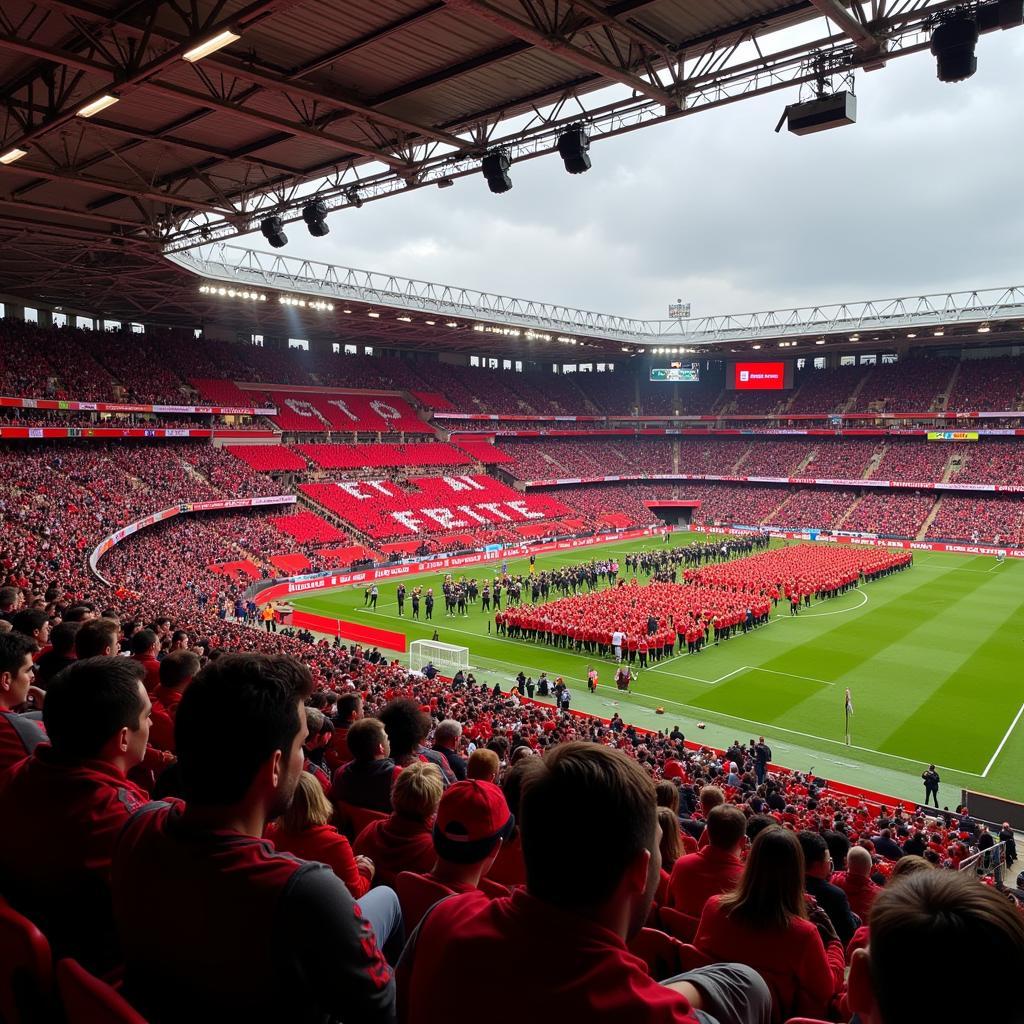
[923,194]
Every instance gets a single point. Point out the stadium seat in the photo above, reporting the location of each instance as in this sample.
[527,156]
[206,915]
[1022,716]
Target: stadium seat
[88,1000]
[681,926]
[26,970]
[659,951]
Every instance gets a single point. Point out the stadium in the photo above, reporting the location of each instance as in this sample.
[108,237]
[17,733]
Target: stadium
[359,630]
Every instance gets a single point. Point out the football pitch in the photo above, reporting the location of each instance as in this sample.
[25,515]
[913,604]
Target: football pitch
[933,657]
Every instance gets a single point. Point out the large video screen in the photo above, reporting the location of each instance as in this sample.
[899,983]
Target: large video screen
[689,374]
[759,376]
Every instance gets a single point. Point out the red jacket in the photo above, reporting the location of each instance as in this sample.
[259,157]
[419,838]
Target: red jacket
[698,876]
[326,845]
[477,947]
[60,820]
[860,891]
[19,736]
[152,667]
[396,844]
[803,975]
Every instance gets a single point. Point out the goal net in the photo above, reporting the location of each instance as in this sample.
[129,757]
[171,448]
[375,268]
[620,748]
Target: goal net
[446,658]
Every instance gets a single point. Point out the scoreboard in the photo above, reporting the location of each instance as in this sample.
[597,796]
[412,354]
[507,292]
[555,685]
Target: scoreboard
[679,373]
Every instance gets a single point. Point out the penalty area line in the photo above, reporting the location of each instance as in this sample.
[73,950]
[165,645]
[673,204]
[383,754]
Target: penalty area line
[1002,742]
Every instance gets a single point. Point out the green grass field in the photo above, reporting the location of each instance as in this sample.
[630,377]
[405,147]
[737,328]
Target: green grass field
[934,658]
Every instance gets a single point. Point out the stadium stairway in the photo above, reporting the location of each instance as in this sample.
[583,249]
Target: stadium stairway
[928,520]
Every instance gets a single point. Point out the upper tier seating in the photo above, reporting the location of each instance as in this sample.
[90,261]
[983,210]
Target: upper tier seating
[268,457]
[361,456]
[309,528]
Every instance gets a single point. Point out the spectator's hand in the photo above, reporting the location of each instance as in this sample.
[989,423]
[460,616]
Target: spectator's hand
[36,697]
[365,866]
[822,922]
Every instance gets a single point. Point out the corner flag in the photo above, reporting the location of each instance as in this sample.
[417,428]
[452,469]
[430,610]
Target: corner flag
[849,712]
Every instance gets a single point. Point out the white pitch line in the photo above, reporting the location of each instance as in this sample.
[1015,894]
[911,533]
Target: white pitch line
[772,727]
[1002,742]
[791,675]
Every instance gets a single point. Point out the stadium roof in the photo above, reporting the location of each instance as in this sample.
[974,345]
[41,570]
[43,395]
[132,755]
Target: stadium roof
[353,100]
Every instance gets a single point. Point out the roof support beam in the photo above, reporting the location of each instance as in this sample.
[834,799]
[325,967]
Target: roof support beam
[346,146]
[262,77]
[561,48]
[123,190]
[848,23]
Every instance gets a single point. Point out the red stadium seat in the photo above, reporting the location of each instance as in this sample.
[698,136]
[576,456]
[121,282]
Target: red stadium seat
[87,1000]
[26,971]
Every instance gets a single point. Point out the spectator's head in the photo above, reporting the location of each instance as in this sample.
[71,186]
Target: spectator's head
[859,862]
[417,791]
[178,669]
[98,637]
[10,600]
[144,643]
[34,624]
[727,828]
[406,725]
[309,807]
[447,734]
[710,796]
[350,708]
[314,723]
[771,890]
[239,733]
[17,669]
[97,710]
[62,638]
[838,847]
[592,807]
[938,924]
[79,613]
[909,865]
[368,740]
[670,842]
[484,765]
[758,823]
[817,859]
[667,795]
[472,821]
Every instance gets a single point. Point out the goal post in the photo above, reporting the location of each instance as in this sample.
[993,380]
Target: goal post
[446,658]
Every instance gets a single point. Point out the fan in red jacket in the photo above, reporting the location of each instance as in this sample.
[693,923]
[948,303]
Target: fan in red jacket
[305,831]
[764,924]
[856,882]
[581,801]
[20,734]
[714,869]
[403,841]
[63,807]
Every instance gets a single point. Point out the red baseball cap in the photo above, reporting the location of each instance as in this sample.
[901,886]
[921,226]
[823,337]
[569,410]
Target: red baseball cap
[471,818]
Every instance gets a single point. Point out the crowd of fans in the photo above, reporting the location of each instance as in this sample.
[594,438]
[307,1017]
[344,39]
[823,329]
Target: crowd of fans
[349,796]
[994,520]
